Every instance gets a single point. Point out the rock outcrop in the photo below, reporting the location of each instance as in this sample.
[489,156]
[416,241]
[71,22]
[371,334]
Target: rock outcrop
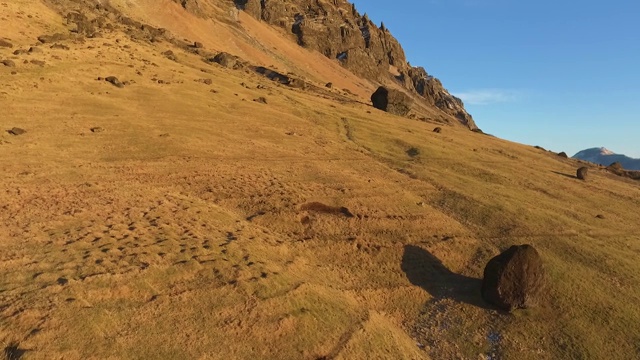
[514,279]
[337,30]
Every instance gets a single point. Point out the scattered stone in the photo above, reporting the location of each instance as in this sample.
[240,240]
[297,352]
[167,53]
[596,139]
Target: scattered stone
[20,52]
[5,43]
[563,154]
[37,62]
[225,59]
[198,45]
[62,281]
[34,49]
[170,55]
[437,130]
[329,85]
[391,101]
[97,129]
[582,173]
[45,39]
[514,279]
[164,135]
[17,131]
[600,216]
[60,46]
[114,80]
[207,81]
[8,63]
[261,100]
[540,148]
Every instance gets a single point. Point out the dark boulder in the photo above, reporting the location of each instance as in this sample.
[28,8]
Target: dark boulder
[225,59]
[437,130]
[17,131]
[563,154]
[514,279]
[8,63]
[114,80]
[392,101]
[582,173]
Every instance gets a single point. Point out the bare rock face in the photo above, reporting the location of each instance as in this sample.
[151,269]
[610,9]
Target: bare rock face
[337,30]
[582,173]
[514,279]
[392,101]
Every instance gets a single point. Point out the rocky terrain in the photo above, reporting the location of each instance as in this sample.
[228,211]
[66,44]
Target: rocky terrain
[606,157]
[183,179]
[337,30]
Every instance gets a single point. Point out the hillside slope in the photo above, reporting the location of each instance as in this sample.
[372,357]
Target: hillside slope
[176,217]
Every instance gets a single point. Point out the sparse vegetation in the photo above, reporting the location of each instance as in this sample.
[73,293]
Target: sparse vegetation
[198,225]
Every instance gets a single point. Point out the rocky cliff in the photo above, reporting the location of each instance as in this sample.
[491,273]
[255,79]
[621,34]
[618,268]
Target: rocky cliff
[336,29]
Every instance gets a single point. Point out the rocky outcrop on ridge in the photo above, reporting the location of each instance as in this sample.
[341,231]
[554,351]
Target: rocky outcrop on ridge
[336,29]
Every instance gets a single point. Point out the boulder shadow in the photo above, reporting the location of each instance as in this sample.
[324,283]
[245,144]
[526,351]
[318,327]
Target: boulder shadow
[427,271]
[563,174]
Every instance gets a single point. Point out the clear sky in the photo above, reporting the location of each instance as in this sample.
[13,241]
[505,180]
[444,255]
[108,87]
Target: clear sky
[561,74]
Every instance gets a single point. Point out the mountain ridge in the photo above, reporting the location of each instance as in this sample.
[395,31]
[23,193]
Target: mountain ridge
[606,157]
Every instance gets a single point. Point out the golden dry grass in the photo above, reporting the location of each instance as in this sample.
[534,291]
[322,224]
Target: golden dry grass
[181,230]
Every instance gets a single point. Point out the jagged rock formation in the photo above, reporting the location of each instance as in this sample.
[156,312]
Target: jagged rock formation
[337,30]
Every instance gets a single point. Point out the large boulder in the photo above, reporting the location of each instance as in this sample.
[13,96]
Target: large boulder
[514,279]
[582,173]
[392,101]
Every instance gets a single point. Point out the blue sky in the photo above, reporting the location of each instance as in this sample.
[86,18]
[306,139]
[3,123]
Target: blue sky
[561,74]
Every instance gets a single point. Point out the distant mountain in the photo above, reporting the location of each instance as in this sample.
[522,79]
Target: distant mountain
[606,157]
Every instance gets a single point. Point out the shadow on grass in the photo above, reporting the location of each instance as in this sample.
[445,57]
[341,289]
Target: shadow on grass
[427,271]
[563,174]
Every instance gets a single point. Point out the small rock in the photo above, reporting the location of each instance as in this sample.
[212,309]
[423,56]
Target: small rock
[164,135]
[19,52]
[225,59]
[600,216]
[96,129]
[8,63]
[261,100]
[114,80]
[329,85]
[17,131]
[582,173]
[5,43]
[563,154]
[62,281]
[198,45]
[52,38]
[34,49]
[437,130]
[60,46]
[37,62]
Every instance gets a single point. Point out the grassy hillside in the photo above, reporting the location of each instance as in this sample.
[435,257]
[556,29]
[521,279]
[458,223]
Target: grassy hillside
[191,226]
